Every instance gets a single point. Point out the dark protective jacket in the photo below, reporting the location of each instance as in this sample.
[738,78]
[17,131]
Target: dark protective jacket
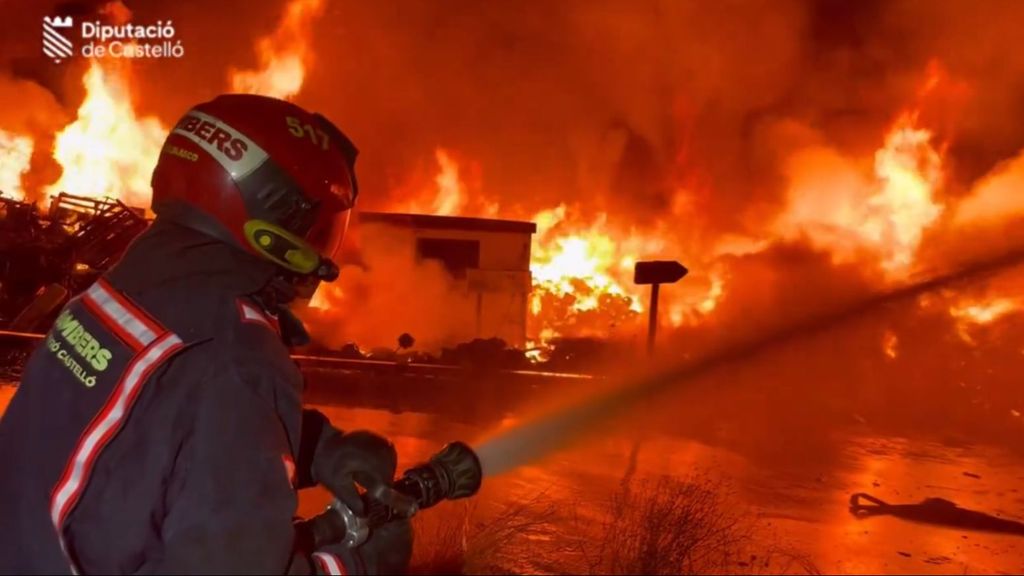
[159,428]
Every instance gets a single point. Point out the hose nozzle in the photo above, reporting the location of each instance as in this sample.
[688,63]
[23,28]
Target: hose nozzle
[451,474]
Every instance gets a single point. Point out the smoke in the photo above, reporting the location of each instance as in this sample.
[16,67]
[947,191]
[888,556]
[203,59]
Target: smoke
[389,293]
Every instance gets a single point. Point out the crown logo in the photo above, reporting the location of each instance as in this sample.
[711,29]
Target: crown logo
[55,44]
[58,21]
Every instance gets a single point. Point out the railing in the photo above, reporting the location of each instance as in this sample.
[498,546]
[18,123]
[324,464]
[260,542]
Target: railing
[361,365]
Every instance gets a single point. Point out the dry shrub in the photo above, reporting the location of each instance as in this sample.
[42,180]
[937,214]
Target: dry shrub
[661,525]
[682,526]
[464,540]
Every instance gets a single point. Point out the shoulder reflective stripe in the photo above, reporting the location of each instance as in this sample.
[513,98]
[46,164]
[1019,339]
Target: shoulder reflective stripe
[140,314]
[249,155]
[251,314]
[254,315]
[106,425]
[329,563]
[131,323]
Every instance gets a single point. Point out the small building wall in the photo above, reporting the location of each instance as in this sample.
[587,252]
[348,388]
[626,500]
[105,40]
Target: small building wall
[488,259]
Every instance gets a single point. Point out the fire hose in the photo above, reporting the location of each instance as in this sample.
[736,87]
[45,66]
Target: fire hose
[451,474]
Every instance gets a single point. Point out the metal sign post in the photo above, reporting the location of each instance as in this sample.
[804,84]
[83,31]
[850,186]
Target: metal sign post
[656,273]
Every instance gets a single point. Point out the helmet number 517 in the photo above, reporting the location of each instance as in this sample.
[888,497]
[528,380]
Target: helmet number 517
[299,130]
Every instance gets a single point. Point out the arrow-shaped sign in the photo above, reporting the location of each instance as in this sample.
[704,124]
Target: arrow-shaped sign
[658,272]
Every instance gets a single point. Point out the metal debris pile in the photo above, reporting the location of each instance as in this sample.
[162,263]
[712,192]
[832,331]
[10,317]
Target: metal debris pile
[47,256]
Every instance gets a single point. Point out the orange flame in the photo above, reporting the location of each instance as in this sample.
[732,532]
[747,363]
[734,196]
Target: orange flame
[283,54]
[890,344]
[448,193]
[971,314]
[108,151]
[582,268]
[451,192]
[984,312]
[910,170]
[15,156]
[846,213]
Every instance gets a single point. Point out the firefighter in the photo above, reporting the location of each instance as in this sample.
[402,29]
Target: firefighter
[159,427]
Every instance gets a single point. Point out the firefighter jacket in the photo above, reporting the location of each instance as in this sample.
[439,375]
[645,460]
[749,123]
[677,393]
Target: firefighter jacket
[157,428]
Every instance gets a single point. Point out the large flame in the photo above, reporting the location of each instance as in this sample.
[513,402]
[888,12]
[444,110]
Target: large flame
[876,206]
[283,55]
[448,197]
[108,151]
[910,172]
[848,213]
[15,157]
[582,267]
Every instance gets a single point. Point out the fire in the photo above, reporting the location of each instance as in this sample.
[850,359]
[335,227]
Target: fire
[108,150]
[582,275]
[972,314]
[890,344]
[910,170]
[580,265]
[324,295]
[15,156]
[979,313]
[450,198]
[449,192]
[710,302]
[450,195]
[283,54]
[847,213]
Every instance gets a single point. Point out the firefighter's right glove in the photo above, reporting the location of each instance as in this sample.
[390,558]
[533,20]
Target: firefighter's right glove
[337,461]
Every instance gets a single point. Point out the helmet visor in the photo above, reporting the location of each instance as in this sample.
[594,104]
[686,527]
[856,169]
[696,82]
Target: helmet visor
[328,234]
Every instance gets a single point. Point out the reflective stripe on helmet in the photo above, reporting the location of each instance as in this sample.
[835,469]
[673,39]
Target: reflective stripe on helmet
[230,148]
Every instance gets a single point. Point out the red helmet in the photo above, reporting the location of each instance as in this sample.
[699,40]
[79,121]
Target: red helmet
[264,175]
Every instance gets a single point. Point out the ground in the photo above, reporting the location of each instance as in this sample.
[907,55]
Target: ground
[792,516]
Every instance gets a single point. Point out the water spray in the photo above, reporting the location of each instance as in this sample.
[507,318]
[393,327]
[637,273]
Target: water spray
[533,440]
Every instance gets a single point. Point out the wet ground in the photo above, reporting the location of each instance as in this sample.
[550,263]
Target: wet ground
[799,502]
